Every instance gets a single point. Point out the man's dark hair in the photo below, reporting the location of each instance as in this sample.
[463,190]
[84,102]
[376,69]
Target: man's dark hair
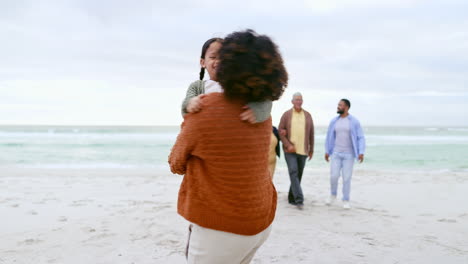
[347,102]
[251,67]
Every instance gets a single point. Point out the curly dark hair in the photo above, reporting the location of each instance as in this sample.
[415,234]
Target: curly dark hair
[251,67]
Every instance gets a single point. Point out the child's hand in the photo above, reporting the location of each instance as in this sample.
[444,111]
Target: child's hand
[195,103]
[248,115]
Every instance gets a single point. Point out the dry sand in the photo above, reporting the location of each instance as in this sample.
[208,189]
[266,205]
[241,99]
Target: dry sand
[129,216]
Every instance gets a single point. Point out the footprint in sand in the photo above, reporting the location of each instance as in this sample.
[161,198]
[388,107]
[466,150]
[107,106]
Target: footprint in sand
[463,215]
[430,238]
[165,242]
[392,216]
[447,220]
[30,241]
[369,240]
[46,200]
[135,237]
[365,236]
[81,202]
[100,236]
[426,215]
[273,260]
[161,207]
[434,240]
[359,254]
[88,229]
[361,233]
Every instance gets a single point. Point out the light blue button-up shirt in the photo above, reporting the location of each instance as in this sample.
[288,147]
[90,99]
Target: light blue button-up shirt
[357,136]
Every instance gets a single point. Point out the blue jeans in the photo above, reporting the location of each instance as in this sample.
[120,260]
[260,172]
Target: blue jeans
[341,165]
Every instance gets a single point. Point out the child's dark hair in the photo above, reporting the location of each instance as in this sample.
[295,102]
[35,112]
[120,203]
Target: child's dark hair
[203,52]
[251,67]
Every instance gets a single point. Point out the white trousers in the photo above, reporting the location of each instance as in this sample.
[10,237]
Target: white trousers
[208,246]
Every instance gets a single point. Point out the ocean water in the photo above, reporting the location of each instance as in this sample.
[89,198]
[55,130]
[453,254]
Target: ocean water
[418,148]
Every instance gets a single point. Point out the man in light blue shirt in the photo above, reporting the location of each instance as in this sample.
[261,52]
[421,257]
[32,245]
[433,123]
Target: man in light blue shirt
[345,142]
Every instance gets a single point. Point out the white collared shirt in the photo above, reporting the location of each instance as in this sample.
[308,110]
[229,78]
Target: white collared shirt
[213,87]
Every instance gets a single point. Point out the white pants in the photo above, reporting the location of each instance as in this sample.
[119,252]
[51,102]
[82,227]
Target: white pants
[208,246]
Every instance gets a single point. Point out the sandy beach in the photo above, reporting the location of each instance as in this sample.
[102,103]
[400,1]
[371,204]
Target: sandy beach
[129,216]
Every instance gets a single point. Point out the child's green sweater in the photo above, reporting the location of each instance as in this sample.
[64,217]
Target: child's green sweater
[262,110]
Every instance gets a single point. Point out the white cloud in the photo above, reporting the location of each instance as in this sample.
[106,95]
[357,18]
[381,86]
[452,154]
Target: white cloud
[116,62]
[327,6]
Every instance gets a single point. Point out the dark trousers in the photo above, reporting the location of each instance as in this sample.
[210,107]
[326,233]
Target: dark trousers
[296,164]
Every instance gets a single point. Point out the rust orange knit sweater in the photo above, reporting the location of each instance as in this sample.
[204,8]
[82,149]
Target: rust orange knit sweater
[227,185]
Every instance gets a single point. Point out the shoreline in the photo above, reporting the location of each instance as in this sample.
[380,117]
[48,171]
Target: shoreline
[164,169]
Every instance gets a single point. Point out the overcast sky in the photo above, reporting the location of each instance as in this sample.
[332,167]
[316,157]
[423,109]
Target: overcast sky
[400,62]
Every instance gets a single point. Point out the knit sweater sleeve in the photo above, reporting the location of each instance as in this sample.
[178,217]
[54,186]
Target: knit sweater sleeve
[311,135]
[283,127]
[183,147]
[195,89]
[262,110]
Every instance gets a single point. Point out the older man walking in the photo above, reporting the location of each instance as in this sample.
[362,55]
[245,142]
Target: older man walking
[297,135]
